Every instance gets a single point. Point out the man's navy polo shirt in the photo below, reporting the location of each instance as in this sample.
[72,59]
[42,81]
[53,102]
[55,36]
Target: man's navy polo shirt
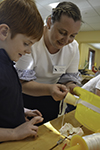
[11,101]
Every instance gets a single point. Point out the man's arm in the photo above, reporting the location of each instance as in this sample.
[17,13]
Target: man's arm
[57,91]
[70,86]
[71,80]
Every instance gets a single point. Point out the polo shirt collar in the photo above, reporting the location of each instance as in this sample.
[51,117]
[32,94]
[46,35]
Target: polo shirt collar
[5,58]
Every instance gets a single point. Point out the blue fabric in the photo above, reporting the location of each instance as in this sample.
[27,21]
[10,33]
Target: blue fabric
[26,75]
[45,104]
[11,101]
[69,77]
[69,108]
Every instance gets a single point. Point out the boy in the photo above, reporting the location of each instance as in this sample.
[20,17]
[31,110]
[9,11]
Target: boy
[20,26]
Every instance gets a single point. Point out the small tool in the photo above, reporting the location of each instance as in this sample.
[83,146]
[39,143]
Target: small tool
[62,139]
[58,142]
[64,146]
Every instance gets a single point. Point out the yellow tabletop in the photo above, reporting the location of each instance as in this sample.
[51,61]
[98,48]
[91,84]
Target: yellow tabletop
[46,138]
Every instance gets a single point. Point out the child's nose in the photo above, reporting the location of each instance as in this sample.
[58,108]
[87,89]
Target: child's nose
[28,51]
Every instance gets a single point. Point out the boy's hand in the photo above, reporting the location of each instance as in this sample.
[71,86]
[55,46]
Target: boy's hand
[27,129]
[31,113]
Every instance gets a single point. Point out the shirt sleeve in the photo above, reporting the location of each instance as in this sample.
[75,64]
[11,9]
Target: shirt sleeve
[24,68]
[70,77]
[92,84]
[98,85]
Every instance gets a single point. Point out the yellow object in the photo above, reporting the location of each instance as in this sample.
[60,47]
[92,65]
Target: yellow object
[77,143]
[49,126]
[88,114]
[70,99]
[95,64]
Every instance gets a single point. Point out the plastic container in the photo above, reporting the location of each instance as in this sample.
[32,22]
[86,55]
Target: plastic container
[85,115]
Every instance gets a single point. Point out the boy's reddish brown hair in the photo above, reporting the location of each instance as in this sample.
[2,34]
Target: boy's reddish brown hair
[22,17]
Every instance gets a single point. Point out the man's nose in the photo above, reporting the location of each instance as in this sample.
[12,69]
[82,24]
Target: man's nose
[67,39]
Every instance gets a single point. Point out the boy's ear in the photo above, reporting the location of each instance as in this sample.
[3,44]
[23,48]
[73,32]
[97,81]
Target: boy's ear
[49,22]
[4,30]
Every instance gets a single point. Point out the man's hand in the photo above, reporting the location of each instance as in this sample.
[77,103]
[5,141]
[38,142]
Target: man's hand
[58,91]
[70,86]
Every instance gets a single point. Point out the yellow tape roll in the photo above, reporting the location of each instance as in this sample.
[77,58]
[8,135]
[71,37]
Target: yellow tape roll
[77,143]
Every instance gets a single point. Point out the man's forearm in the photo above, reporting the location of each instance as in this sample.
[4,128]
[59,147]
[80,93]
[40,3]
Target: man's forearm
[35,89]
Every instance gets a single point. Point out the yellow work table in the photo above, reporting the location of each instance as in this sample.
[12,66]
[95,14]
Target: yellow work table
[46,138]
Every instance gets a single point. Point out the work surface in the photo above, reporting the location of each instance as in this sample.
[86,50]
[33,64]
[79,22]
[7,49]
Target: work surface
[46,138]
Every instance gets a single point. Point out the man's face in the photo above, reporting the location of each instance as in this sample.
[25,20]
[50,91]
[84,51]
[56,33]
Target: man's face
[63,32]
